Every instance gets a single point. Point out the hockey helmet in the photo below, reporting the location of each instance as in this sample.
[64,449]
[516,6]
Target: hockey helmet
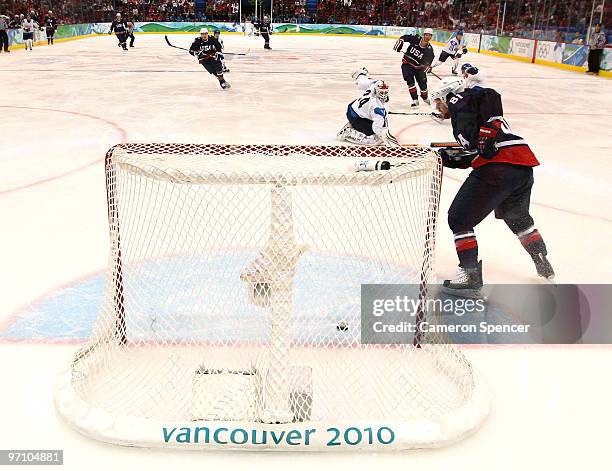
[449,86]
[381,90]
[469,69]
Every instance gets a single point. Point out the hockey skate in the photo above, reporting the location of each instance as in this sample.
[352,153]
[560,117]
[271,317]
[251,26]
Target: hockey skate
[225,85]
[467,283]
[415,104]
[543,267]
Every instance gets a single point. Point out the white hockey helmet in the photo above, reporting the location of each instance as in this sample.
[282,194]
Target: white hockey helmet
[204,31]
[381,90]
[449,85]
[428,31]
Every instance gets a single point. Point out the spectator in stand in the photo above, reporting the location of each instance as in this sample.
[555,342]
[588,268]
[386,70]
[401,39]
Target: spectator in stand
[4,25]
[597,42]
[16,23]
[577,38]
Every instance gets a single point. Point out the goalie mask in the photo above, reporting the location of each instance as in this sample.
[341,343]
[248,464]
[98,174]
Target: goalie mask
[381,90]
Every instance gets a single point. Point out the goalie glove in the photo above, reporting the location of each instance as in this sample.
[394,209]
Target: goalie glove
[399,44]
[455,157]
[389,140]
[487,137]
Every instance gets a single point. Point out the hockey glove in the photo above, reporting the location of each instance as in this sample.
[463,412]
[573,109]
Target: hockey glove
[454,157]
[465,51]
[487,137]
[399,44]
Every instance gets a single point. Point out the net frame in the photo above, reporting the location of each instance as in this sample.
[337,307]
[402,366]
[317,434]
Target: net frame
[144,431]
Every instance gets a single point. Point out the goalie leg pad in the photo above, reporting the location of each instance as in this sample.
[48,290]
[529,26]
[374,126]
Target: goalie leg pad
[357,137]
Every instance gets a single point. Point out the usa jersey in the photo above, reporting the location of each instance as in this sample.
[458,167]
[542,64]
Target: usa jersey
[118,27]
[476,107]
[205,49]
[263,27]
[50,23]
[369,106]
[415,54]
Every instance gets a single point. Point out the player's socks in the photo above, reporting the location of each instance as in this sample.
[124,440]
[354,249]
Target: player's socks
[414,95]
[466,246]
[536,248]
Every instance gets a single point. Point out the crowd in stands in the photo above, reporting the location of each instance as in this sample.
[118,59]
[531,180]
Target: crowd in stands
[556,19]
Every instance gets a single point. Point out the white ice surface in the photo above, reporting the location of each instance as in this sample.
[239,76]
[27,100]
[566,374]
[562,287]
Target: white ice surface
[63,106]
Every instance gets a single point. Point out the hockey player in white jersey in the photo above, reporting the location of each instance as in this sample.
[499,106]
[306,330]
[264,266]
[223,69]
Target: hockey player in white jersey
[455,48]
[473,76]
[367,116]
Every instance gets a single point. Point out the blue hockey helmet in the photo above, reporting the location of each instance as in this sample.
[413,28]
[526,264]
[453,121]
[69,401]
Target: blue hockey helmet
[469,68]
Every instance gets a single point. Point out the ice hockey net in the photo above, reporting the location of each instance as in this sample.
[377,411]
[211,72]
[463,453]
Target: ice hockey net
[232,310]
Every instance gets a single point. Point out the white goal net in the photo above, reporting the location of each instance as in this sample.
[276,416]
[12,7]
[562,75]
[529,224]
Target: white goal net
[231,317]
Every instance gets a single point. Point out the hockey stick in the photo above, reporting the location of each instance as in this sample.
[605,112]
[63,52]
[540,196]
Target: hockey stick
[415,114]
[171,45]
[435,75]
[445,144]
[224,53]
[236,53]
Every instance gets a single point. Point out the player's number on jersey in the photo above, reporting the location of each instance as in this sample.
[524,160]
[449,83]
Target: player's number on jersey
[455,99]
[364,99]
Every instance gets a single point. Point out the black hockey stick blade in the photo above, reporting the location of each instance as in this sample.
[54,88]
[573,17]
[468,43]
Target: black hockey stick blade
[171,45]
[236,53]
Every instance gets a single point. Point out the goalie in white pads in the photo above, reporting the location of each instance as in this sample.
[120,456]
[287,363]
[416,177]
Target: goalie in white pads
[455,48]
[367,116]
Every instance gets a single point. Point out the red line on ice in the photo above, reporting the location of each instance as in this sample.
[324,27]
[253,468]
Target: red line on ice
[122,132]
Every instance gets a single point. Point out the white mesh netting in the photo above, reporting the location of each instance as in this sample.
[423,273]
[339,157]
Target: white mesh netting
[233,298]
